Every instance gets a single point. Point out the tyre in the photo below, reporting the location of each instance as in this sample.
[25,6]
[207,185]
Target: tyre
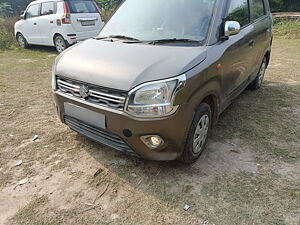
[197,136]
[22,41]
[60,44]
[256,84]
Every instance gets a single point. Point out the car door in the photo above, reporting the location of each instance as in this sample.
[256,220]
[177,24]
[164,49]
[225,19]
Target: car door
[30,28]
[262,27]
[237,59]
[47,22]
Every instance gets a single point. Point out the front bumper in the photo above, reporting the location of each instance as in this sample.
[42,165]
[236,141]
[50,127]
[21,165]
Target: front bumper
[172,129]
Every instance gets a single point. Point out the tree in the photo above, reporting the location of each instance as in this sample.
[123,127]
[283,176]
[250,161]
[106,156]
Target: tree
[285,5]
[18,6]
[5,9]
[12,7]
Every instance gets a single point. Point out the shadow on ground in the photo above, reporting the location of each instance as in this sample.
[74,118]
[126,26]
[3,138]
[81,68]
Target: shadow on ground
[46,49]
[252,132]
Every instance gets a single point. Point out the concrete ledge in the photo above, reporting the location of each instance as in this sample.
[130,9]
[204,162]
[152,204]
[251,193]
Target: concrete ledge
[286,16]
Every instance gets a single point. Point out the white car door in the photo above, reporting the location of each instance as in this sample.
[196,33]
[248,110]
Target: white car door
[29,27]
[47,22]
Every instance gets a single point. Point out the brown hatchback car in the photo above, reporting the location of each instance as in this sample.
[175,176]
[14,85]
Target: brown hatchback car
[159,74]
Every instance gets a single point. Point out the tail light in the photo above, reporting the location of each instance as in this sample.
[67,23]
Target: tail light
[67,16]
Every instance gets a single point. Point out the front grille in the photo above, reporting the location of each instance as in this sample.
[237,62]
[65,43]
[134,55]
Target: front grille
[99,135]
[91,93]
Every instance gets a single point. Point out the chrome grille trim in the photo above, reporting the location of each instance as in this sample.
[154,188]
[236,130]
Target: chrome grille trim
[107,96]
[97,95]
[67,84]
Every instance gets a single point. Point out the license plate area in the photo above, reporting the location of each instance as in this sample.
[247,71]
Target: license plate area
[85,115]
[88,23]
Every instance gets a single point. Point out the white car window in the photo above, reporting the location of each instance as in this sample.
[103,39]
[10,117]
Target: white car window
[33,11]
[47,8]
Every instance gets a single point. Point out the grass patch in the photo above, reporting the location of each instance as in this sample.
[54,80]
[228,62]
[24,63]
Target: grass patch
[264,112]
[34,214]
[251,199]
[287,29]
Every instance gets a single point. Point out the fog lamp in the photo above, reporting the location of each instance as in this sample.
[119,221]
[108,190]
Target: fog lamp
[152,141]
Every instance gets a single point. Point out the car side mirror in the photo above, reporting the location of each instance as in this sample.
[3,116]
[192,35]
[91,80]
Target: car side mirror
[22,17]
[231,28]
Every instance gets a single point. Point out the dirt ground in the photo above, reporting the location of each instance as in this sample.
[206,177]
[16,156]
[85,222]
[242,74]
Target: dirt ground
[249,173]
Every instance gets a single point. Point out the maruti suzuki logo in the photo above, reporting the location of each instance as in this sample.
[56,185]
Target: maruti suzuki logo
[84,91]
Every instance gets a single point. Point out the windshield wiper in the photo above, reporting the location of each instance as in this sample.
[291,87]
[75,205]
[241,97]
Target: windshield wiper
[123,37]
[119,37]
[173,40]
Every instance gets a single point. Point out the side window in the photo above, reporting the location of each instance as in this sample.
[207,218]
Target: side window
[258,8]
[238,10]
[47,8]
[33,11]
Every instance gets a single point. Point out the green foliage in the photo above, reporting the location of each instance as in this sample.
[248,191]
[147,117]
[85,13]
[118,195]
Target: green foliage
[12,7]
[108,7]
[7,38]
[287,29]
[285,5]
[109,4]
[5,9]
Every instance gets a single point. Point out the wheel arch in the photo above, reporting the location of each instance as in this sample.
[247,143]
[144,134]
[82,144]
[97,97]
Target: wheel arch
[209,94]
[19,32]
[212,101]
[268,56]
[55,35]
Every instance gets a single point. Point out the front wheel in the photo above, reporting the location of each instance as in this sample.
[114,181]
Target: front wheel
[60,44]
[197,136]
[256,84]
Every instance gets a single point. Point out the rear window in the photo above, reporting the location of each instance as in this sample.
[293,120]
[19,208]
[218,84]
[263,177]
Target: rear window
[82,6]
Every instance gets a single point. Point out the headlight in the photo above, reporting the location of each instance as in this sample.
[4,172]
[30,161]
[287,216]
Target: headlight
[54,72]
[154,99]
[54,76]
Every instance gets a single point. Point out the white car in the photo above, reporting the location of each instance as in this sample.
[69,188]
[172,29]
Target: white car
[58,23]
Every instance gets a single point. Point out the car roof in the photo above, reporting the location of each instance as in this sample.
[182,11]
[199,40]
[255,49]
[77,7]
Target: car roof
[40,1]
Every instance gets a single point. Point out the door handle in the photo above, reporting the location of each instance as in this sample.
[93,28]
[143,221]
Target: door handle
[35,24]
[51,21]
[251,44]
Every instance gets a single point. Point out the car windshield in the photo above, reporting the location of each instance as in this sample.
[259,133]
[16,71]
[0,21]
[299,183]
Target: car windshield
[150,20]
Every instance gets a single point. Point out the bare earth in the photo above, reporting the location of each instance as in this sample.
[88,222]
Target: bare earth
[249,174]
